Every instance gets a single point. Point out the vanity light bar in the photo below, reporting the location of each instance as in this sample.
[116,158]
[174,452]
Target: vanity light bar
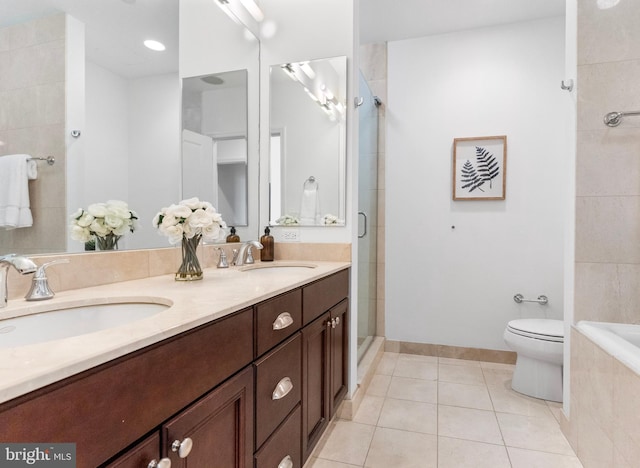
[253,9]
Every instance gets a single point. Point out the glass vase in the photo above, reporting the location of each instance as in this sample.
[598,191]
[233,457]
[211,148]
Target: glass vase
[190,269]
[108,242]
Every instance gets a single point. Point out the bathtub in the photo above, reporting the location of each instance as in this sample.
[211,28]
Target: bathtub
[621,340]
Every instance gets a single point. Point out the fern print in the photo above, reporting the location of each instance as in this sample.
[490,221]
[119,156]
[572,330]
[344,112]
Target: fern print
[470,178]
[487,167]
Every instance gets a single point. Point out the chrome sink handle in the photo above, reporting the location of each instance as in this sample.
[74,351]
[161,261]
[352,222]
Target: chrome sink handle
[40,289]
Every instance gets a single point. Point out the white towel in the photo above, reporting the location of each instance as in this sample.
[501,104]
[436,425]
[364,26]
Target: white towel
[14,191]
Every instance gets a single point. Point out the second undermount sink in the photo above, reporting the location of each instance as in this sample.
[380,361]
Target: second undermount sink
[287,267]
[72,321]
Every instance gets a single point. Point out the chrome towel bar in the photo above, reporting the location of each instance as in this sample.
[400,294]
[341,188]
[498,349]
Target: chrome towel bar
[542,299]
[613,119]
[50,160]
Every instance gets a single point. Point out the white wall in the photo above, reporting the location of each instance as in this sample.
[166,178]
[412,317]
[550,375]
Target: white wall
[154,152]
[211,43]
[310,30]
[455,286]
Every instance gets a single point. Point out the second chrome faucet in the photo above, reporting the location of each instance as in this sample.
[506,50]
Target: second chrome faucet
[244,255]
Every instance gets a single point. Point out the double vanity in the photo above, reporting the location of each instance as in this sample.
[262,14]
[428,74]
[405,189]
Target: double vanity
[242,369]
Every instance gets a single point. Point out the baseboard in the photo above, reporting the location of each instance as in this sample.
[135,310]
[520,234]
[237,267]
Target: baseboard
[455,352]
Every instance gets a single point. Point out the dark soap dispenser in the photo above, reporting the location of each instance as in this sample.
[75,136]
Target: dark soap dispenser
[266,253]
[233,237]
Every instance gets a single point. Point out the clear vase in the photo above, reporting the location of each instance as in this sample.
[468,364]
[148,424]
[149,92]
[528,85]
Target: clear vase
[190,269]
[108,242]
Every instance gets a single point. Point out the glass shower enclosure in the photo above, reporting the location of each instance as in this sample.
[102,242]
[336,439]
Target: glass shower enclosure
[367,215]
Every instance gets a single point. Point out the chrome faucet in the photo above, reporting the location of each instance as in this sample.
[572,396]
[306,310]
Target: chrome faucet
[23,265]
[244,256]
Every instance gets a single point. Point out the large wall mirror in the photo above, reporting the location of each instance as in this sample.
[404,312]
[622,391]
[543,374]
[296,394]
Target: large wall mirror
[308,142]
[214,142]
[91,74]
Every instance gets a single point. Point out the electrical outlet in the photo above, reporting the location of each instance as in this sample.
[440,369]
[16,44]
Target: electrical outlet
[291,235]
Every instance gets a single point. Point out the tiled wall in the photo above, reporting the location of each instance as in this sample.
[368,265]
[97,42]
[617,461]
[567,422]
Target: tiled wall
[608,165]
[373,63]
[32,121]
[605,395]
[605,403]
[97,268]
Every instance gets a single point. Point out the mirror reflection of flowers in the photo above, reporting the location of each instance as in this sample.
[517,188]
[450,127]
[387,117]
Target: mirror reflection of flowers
[287,220]
[190,218]
[331,219]
[103,222]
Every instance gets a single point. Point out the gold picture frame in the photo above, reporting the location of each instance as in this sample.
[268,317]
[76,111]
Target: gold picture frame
[479,168]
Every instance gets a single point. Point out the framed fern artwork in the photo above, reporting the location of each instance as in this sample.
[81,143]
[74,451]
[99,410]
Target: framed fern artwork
[479,168]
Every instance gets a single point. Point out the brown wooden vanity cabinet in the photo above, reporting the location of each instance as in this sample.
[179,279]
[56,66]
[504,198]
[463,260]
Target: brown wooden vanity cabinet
[253,389]
[324,354]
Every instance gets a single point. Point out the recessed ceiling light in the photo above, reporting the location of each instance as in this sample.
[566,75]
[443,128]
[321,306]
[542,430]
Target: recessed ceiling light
[212,79]
[154,45]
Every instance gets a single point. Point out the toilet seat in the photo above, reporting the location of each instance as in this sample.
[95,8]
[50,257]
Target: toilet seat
[539,329]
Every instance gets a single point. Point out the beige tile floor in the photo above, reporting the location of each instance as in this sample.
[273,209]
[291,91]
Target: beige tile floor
[424,412]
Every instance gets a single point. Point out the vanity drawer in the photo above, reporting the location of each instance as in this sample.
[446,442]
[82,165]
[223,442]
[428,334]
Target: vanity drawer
[285,442]
[278,386]
[322,295]
[277,319]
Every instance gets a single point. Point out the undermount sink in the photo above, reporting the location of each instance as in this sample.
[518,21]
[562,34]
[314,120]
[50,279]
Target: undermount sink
[289,267]
[72,321]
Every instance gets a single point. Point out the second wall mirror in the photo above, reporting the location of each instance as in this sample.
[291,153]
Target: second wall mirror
[308,142]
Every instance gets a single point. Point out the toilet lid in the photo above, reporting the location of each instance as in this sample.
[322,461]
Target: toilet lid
[542,329]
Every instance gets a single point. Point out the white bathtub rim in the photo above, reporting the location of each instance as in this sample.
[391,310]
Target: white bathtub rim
[603,334]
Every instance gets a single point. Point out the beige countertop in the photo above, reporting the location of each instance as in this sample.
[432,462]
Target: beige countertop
[221,292]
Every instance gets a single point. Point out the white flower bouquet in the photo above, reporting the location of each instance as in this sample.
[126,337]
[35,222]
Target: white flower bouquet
[190,218]
[188,222]
[329,219]
[287,220]
[105,222]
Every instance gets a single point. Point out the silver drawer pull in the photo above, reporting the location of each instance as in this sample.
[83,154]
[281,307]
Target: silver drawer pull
[282,389]
[164,463]
[286,462]
[282,321]
[182,448]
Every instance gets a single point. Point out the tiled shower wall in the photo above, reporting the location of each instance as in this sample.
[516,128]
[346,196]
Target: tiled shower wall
[608,164]
[373,64]
[32,121]
[605,406]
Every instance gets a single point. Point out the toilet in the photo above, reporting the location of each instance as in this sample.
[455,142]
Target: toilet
[539,344]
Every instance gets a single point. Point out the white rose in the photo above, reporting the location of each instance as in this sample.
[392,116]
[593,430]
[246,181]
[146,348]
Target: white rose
[119,211]
[174,233]
[80,234]
[189,231]
[113,221]
[169,220]
[98,228]
[97,210]
[77,214]
[178,211]
[199,219]
[85,220]
[213,232]
[191,203]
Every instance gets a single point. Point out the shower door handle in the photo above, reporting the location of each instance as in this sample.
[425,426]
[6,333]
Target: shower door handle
[363,214]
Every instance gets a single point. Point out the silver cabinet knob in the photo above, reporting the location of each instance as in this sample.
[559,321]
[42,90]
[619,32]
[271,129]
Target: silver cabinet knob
[333,323]
[164,463]
[183,449]
[282,321]
[337,320]
[282,389]
[286,462]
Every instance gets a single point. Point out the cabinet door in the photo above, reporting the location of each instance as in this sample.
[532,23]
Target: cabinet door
[315,389]
[219,426]
[140,455]
[339,353]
